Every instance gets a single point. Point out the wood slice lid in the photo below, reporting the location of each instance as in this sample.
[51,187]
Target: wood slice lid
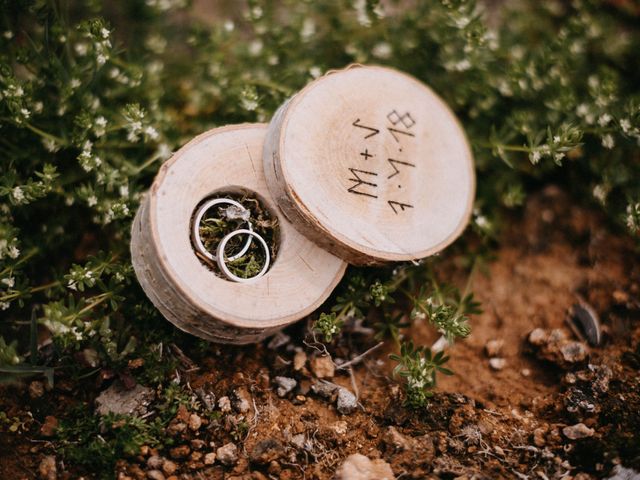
[372,165]
[188,293]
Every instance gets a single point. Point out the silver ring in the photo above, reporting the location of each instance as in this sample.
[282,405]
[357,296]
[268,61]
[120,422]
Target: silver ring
[221,260]
[196,228]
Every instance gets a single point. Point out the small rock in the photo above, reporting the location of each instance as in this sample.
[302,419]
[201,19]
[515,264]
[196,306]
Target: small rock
[585,323]
[117,399]
[49,426]
[497,363]
[573,352]
[224,404]
[36,389]
[347,401]
[324,389]
[176,427]
[525,372]
[47,468]
[578,431]
[359,467]
[299,360]
[154,462]
[195,456]
[340,427]
[241,400]
[539,437]
[227,454]
[210,458]
[323,366]
[299,440]
[169,467]
[538,337]
[198,444]
[155,475]
[285,385]
[266,451]
[494,347]
[180,452]
[195,422]
[395,440]
[182,414]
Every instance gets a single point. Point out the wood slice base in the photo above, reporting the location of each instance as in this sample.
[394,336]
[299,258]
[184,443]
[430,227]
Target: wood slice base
[372,165]
[185,291]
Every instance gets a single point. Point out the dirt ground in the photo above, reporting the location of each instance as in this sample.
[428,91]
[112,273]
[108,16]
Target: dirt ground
[556,407]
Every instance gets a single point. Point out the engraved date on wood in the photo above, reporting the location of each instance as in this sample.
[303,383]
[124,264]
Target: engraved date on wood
[364,180]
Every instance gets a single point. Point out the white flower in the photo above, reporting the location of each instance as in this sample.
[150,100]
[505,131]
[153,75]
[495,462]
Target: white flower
[151,132]
[315,71]
[582,110]
[600,193]
[228,25]
[124,190]
[308,29]
[255,47]
[13,251]
[164,151]
[535,156]
[75,83]
[81,49]
[17,194]
[604,119]
[607,141]
[382,50]
[9,281]
[92,200]
[105,33]
[101,59]
[625,124]
[25,112]
[4,305]
[8,34]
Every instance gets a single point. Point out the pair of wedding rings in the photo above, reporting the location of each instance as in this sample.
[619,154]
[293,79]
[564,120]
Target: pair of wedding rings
[220,258]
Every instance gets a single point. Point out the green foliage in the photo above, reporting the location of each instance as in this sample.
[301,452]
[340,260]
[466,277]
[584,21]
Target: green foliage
[96,443]
[419,367]
[446,309]
[328,325]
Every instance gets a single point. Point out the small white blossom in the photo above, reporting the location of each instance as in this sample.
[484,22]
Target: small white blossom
[9,281]
[4,305]
[92,201]
[81,48]
[308,29]
[607,141]
[625,124]
[75,83]
[8,34]
[534,156]
[17,194]
[382,50]
[600,193]
[151,132]
[604,119]
[255,48]
[13,251]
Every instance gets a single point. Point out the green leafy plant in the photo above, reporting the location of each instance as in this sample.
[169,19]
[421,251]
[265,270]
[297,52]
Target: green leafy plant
[419,368]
